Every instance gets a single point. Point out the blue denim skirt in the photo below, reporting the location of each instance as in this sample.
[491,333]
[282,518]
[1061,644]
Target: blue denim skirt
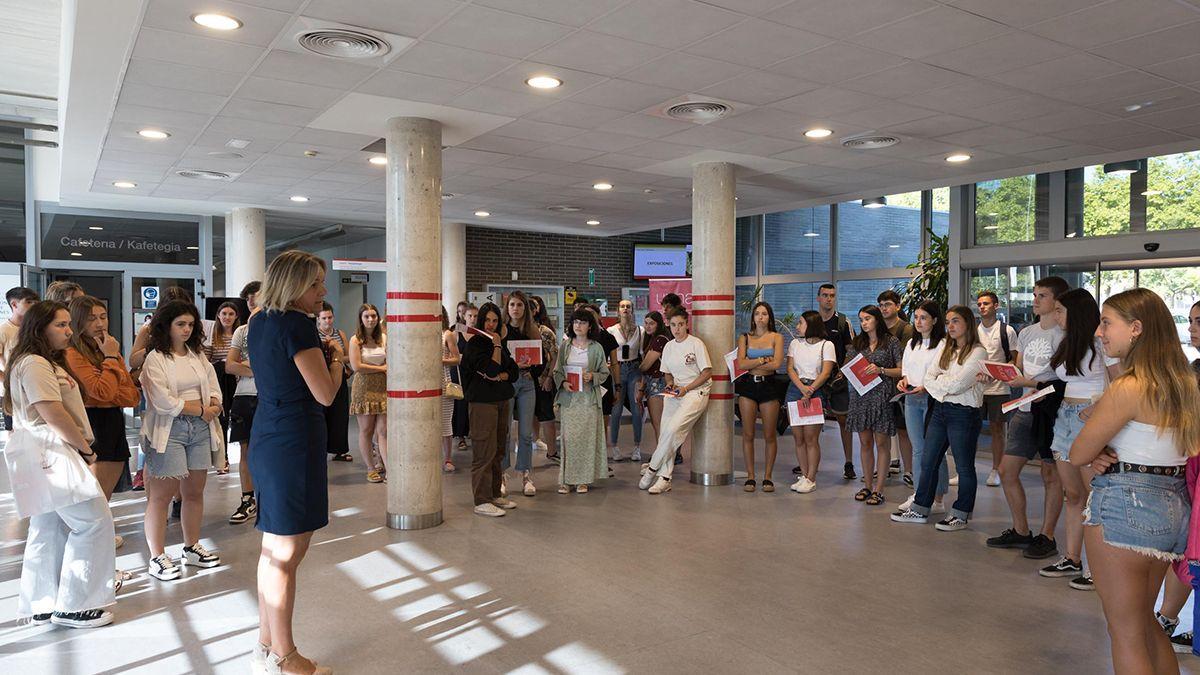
[1140,512]
[793,393]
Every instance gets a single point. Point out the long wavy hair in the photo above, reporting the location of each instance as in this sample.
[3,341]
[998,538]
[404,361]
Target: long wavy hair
[81,312]
[31,341]
[376,335]
[950,348]
[938,332]
[660,328]
[770,317]
[1083,318]
[529,325]
[160,327]
[862,341]
[1158,366]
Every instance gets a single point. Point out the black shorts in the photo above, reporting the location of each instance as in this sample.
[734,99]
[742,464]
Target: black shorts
[898,415]
[763,391]
[606,403]
[108,426]
[543,404]
[241,418]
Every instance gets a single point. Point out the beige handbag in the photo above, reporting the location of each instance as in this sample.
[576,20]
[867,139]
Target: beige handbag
[452,389]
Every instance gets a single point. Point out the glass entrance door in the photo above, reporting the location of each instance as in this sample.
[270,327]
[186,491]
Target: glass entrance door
[146,294]
[1179,287]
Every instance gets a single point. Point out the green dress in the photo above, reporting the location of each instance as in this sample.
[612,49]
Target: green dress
[582,420]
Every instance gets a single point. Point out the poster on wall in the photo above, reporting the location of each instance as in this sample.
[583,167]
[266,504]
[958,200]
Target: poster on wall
[662,287]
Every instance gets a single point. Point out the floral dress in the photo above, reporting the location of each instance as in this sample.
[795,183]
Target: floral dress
[871,411]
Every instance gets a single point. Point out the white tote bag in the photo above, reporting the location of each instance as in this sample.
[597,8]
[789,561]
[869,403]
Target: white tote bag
[46,474]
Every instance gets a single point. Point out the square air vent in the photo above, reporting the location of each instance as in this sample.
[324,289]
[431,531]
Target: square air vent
[343,42]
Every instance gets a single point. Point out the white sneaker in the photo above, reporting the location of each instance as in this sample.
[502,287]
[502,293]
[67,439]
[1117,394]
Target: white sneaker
[907,504]
[807,485]
[795,487]
[504,485]
[615,453]
[527,486]
[954,480]
[951,524]
[660,486]
[164,568]
[909,516]
[540,445]
[648,477]
[198,556]
[489,510]
[506,504]
[993,479]
[636,456]
[258,658]
[118,541]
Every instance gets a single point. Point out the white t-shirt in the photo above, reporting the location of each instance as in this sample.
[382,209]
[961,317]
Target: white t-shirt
[808,359]
[634,342]
[917,360]
[1037,346]
[187,380]
[684,361]
[245,385]
[990,339]
[1092,380]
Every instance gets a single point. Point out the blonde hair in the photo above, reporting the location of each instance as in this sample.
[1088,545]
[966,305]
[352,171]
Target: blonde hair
[287,278]
[1158,367]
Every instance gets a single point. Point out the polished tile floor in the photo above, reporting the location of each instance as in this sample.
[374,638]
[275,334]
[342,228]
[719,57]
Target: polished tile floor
[697,580]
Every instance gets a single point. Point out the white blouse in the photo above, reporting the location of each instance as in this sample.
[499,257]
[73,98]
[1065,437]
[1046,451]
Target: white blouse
[917,361]
[957,383]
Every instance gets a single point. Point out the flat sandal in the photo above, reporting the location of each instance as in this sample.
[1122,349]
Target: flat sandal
[862,494]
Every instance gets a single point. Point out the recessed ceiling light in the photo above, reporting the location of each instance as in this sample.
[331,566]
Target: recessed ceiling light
[811,234]
[154,134]
[217,21]
[77,255]
[378,161]
[593,222]
[95,227]
[299,198]
[124,184]
[819,133]
[193,248]
[1150,193]
[602,186]
[1123,168]
[960,157]
[1071,235]
[483,214]
[874,203]
[544,82]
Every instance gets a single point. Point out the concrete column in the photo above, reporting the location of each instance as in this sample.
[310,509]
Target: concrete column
[245,248]
[414,246]
[454,265]
[712,312]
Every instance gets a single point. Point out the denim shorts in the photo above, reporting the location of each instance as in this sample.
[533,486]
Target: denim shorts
[188,449]
[793,393]
[1020,439]
[1143,513]
[1066,427]
[654,385]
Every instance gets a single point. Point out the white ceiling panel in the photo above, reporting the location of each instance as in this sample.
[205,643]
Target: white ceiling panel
[679,70]
[215,139]
[259,25]
[1156,47]
[757,43]
[1113,21]
[1173,119]
[171,99]
[645,126]
[1099,132]
[1154,101]
[177,76]
[311,69]
[124,136]
[836,62]
[603,140]
[1049,76]
[598,53]
[759,87]
[999,54]
[1073,117]
[263,111]
[537,131]
[1018,108]
[1022,12]
[624,95]
[399,84]
[402,17]
[500,101]
[1183,71]
[564,153]
[842,18]
[828,102]
[175,121]
[667,23]
[501,144]
[336,139]
[252,129]
[885,115]
[288,93]
[191,50]
[575,114]
[1143,140]
[570,12]
[911,78]
[497,32]
[662,150]
[453,63]
[935,126]
[573,81]
[937,30]
[990,135]
[619,161]
[1127,86]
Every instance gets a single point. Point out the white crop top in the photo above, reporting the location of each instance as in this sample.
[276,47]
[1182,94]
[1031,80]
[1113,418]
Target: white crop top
[1091,382]
[187,380]
[373,356]
[1141,443]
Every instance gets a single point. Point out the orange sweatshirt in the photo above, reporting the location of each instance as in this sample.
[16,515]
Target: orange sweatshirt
[105,386]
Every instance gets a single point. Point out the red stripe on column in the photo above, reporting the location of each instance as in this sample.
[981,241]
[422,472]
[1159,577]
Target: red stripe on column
[412,295]
[720,378]
[721,397]
[414,393]
[711,297]
[413,318]
[712,312]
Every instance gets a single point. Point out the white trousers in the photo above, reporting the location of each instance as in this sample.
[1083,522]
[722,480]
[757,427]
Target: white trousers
[70,560]
[679,416]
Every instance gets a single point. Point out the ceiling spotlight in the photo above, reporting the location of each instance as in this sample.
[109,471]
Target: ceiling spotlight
[593,222]
[544,82]
[811,234]
[124,184]
[1151,193]
[959,157]
[379,160]
[1071,235]
[77,255]
[95,227]
[217,21]
[819,133]
[193,248]
[299,198]
[874,203]
[154,134]
[602,186]
[483,214]
[1124,168]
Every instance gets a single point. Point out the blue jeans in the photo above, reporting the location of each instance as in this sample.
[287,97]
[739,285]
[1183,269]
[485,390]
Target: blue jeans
[1194,568]
[956,426]
[915,407]
[630,374]
[523,404]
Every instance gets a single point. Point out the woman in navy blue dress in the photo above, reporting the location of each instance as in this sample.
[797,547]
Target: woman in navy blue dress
[296,376]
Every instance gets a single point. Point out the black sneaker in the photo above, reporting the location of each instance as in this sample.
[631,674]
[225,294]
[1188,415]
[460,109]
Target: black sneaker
[1065,567]
[797,471]
[244,510]
[1182,643]
[40,619]
[848,471]
[1041,547]
[1010,539]
[1083,582]
[91,618]
[678,457]
[908,479]
[894,467]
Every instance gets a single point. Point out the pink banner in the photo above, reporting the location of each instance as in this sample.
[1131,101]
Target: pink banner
[661,287]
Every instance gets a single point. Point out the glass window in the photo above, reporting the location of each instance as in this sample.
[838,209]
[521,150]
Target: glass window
[797,241]
[853,295]
[1161,193]
[116,239]
[941,211]
[789,301]
[1012,209]
[1014,286]
[1179,287]
[1173,192]
[12,199]
[746,246]
[886,236]
[743,300]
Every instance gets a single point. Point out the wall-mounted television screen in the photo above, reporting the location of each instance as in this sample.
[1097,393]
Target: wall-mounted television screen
[662,261]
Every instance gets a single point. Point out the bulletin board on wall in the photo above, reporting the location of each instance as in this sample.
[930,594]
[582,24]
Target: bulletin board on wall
[551,295]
